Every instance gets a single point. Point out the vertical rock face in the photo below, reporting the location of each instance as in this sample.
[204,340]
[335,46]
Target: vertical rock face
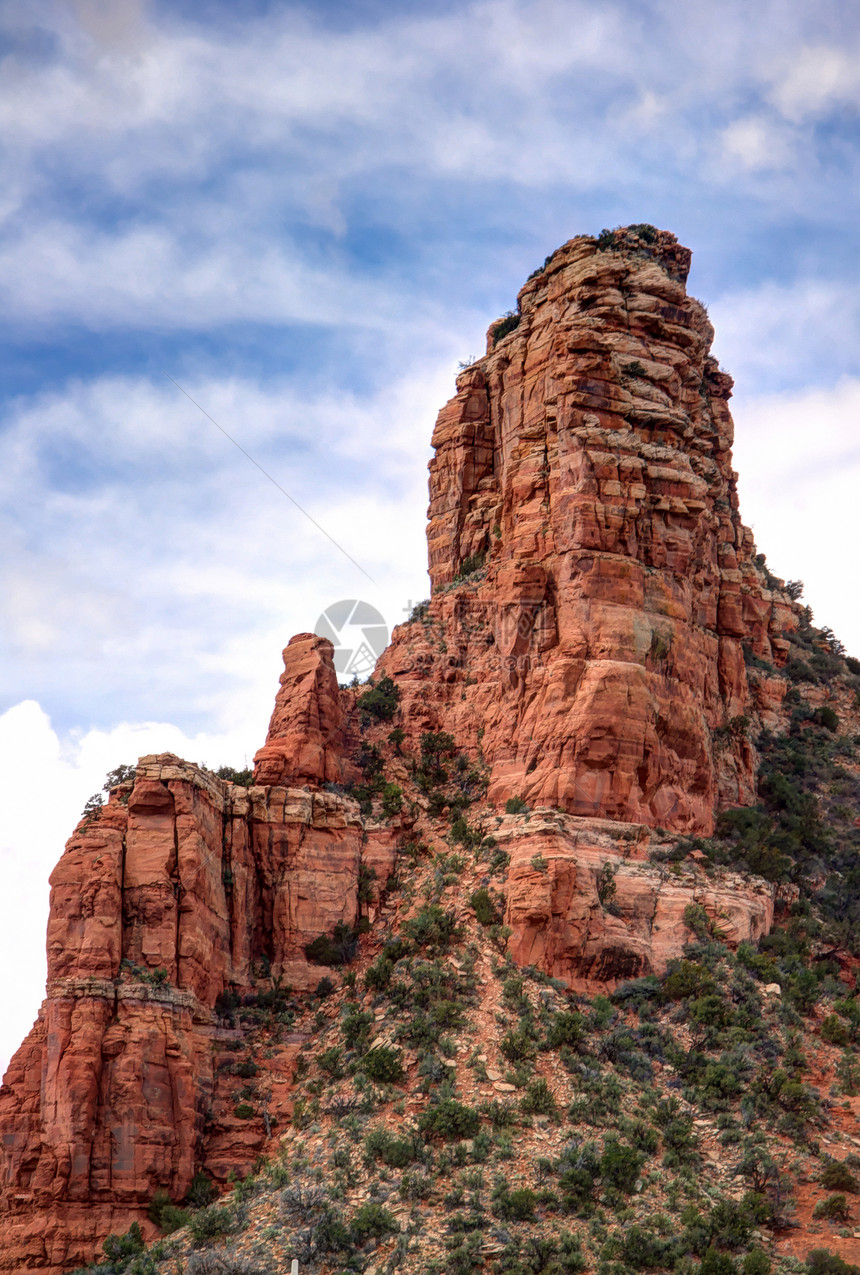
[582,482]
[306,733]
[594,597]
[157,907]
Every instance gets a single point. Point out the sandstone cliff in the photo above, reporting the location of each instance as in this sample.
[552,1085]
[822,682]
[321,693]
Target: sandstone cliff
[594,649]
[594,595]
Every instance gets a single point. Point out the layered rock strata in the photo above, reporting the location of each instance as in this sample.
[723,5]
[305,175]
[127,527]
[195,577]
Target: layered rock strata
[594,653]
[178,891]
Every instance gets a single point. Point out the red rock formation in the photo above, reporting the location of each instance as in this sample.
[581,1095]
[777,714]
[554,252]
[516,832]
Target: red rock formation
[157,907]
[306,733]
[586,904]
[592,658]
[596,659]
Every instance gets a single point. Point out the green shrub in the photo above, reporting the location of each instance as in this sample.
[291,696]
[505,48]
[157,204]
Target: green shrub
[485,907]
[517,1205]
[566,1028]
[119,1249]
[508,323]
[518,1046]
[432,928]
[372,1221]
[620,1165]
[331,1061]
[515,806]
[338,949]
[835,1207]
[834,1030]
[355,1025]
[383,1065]
[716,1263]
[822,1262]
[378,975]
[470,565]
[450,1120]
[756,1262]
[166,1215]
[643,1250]
[539,1099]
[392,800]
[381,701]
[826,717]
[201,1192]
[212,1223]
[242,778]
[244,1111]
[686,978]
[393,1151]
[836,1176]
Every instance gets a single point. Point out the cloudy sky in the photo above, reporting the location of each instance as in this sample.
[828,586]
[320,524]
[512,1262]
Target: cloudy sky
[305,216]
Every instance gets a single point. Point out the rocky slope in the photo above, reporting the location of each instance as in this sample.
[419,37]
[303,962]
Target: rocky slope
[605,665]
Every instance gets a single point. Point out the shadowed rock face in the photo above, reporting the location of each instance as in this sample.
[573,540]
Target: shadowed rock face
[592,658]
[597,655]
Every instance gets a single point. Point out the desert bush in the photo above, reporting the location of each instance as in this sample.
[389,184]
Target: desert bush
[822,1262]
[515,806]
[566,1028]
[578,1168]
[393,1151]
[355,1025]
[835,1208]
[517,1205]
[372,1221]
[450,1120]
[485,907]
[508,323]
[381,701]
[120,1249]
[225,1262]
[836,1176]
[518,1045]
[620,1165]
[834,1030]
[331,1061]
[201,1192]
[644,1250]
[213,1223]
[166,1215]
[539,1099]
[383,1065]
[337,949]
[432,929]
[716,1263]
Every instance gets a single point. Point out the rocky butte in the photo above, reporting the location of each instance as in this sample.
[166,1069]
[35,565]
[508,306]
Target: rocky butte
[601,647]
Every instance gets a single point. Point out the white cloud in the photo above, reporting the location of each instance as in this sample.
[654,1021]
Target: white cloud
[816,79]
[798,456]
[756,143]
[791,333]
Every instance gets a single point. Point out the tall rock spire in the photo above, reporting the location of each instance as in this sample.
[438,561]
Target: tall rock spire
[595,586]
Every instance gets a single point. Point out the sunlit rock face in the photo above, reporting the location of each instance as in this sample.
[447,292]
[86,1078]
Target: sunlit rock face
[582,477]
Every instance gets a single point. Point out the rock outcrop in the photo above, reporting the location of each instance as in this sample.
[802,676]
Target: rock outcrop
[596,599]
[179,892]
[594,590]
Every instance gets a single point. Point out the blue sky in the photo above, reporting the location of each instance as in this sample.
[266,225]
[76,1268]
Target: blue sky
[307,215]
